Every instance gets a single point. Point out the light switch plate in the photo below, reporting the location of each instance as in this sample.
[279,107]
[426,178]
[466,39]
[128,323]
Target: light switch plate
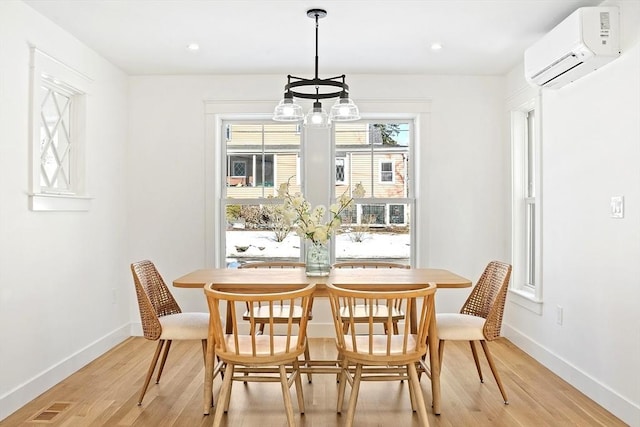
[617,206]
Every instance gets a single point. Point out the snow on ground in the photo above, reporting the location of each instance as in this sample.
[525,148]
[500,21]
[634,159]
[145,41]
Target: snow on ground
[254,245]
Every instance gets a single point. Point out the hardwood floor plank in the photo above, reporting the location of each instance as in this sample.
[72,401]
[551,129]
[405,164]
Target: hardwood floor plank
[105,393]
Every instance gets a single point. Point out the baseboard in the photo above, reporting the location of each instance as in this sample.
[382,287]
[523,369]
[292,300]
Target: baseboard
[621,407]
[26,392]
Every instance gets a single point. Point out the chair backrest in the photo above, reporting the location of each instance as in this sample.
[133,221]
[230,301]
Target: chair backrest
[369,264]
[379,347]
[154,298]
[273,264]
[238,342]
[488,297]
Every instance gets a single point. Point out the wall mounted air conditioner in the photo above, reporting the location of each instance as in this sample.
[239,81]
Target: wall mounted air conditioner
[586,40]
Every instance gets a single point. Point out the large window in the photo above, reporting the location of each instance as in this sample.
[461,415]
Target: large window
[378,226]
[259,156]
[526,283]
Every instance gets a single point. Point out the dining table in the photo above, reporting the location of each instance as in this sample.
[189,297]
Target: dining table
[282,280]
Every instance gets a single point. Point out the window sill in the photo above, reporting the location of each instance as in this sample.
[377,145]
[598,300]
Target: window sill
[59,202]
[526,300]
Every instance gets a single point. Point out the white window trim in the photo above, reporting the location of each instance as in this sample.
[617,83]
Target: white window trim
[46,68]
[216,111]
[521,293]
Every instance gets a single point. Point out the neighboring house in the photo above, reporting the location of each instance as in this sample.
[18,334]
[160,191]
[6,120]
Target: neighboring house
[257,162]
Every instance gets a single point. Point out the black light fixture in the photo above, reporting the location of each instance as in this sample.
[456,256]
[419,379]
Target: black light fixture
[316,88]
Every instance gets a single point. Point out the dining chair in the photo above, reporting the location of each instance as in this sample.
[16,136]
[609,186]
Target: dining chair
[162,319]
[380,309]
[480,317]
[260,312]
[241,349]
[381,357]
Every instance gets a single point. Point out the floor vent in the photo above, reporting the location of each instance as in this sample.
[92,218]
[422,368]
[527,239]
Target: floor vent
[49,414]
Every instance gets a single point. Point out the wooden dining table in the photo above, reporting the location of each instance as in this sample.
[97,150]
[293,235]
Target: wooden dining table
[278,280]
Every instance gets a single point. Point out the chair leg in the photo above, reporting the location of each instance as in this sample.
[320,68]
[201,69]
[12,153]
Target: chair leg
[475,359]
[440,351]
[412,396]
[224,396]
[164,359]
[494,371]
[228,400]
[152,367]
[286,396]
[417,394]
[342,380]
[353,399]
[299,392]
[307,358]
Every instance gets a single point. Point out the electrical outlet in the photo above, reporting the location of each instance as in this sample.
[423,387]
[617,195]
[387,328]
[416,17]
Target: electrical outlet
[559,314]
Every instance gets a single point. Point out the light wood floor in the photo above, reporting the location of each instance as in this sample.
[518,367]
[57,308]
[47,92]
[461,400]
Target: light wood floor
[105,393]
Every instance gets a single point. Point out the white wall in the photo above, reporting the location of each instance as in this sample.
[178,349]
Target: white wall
[591,262]
[59,271]
[463,164]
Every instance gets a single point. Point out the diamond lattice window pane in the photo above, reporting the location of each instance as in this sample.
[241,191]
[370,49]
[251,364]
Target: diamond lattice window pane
[55,140]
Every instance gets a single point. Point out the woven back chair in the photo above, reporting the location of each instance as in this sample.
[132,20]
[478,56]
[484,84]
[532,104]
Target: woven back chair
[161,317]
[238,345]
[480,318]
[381,357]
[260,312]
[380,308]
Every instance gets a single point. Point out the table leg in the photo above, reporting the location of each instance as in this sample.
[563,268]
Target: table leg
[434,362]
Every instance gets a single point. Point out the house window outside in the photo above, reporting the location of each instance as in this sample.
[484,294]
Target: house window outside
[396,214]
[340,170]
[386,172]
[373,215]
[526,251]
[378,154]
[239,169]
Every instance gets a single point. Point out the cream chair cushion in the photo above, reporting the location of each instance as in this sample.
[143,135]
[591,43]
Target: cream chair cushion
[185,326]
[459,327]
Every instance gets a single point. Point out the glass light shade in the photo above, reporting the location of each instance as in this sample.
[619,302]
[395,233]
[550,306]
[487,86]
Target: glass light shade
[344,110]
[288,111]
[317,117]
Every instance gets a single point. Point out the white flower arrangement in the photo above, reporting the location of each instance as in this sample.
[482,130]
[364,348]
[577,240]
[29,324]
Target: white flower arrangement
[309,222]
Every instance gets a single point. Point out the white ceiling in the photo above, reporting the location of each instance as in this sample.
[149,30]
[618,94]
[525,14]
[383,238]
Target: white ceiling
[276,37]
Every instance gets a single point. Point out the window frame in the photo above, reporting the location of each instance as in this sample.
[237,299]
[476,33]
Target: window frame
[526,245]
[56,76]
[416,111]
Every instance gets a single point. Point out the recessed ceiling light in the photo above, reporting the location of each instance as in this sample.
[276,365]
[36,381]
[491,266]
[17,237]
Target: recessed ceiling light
[436,46]
[193,46]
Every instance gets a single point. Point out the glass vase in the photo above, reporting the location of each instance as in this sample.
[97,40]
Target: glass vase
[318,259]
